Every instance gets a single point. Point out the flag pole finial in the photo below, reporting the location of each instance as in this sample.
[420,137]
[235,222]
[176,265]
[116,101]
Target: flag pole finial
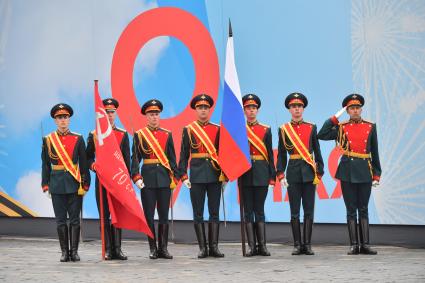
[230,29]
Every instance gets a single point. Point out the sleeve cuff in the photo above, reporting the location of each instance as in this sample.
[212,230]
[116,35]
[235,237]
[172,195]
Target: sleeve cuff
[334,120]
[280,176]
[376,178]
[45,188]
[136,178]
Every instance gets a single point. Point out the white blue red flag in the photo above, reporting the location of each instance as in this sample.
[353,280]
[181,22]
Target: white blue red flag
[234,157]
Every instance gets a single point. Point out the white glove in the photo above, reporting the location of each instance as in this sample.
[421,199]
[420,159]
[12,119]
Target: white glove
[271,187]
[284,183]
[187,183]
[375,183]
[47,193]
[340,112]
[223,185]
[140,184]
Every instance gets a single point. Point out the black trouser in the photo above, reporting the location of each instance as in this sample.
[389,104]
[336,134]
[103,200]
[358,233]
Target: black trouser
[67,205]
[106,213]
[197,197]
[356,198]
[305,192]
[159,197]
[253,202]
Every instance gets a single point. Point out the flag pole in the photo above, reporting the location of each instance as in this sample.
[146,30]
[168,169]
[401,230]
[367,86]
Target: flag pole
[102,220]
[241,209]
[224,207]
[172,215]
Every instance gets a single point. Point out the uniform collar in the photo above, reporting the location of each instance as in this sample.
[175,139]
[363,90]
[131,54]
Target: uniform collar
[153,128]
[297,123]
[203,123]
[63,134]
[357,121]
[252,123]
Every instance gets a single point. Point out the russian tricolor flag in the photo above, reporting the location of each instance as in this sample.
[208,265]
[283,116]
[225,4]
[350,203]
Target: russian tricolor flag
[234,157]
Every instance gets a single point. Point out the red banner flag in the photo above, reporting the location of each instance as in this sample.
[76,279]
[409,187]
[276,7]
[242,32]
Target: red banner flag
[112,172]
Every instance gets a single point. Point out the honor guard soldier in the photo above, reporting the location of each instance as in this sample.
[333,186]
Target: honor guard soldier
[359,168]
[112,234]
[154,147]
[256,181]
[66,177]
[200,143]
[298,139]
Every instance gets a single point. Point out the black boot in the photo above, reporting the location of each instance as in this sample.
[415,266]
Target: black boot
[308,228]
[213,232]
[108,240]
[153,251]
[117,252]
[261,238]
[352,233]
[163,242]
[364,238]
[249,227]
[200,236]
[296,233]
[75,240]
[63,241]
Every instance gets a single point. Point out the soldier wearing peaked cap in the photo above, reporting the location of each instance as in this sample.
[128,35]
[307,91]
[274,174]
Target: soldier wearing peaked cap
[154,146]
[112,235]
[256,181]
[359,168]
[200,143]
[65,176]
[298,139]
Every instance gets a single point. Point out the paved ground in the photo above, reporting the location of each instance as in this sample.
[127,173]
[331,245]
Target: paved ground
[37,260]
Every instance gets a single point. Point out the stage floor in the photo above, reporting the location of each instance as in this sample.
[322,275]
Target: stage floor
[37,260]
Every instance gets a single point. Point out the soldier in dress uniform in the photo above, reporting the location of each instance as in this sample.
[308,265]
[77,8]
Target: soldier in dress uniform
[154,146]
[298,139]
[256,181]
[66,177]
[200,143]
[359,168]
[112,234]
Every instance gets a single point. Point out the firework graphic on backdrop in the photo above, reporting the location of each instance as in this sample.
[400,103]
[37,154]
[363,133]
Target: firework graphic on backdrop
[388,57]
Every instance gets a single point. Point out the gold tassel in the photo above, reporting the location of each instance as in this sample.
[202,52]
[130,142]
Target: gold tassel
[222,178]
[81,191]
[173,184]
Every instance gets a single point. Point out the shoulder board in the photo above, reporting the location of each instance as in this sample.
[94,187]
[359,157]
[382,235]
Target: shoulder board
[344,122]
[75,134]
[367,121]
[217,125]
[165,130]
[264,125]
[121,130]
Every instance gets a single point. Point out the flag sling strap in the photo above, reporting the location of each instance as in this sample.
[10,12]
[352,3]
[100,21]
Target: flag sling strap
[257,143]
[146,134]
[300,147]
[64,157]
[205,139]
